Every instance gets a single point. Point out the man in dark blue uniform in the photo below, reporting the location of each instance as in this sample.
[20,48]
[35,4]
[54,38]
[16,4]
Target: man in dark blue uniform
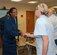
[10,31]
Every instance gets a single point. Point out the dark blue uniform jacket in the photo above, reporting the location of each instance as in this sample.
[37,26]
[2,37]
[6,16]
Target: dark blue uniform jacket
[9,32]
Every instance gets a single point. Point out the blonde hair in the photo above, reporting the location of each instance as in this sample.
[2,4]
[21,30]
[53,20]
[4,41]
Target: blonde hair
[43,8]
[52,10]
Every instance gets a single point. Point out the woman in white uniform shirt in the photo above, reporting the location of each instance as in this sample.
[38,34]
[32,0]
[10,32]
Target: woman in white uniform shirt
[43,31]
[53,19]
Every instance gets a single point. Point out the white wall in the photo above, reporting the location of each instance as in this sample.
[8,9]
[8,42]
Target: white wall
[22,20]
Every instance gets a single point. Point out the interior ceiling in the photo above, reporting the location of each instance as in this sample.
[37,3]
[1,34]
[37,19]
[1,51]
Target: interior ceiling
[49,2]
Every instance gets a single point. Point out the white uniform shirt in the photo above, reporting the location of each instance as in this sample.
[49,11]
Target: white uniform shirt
[53,20]
[43,27]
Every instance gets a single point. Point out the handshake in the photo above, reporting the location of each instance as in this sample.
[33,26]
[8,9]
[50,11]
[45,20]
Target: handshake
[26,34]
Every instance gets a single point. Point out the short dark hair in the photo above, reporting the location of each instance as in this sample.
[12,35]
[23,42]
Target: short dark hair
[11,9]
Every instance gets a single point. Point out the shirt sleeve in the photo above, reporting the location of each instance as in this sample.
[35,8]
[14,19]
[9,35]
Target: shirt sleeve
[40,29]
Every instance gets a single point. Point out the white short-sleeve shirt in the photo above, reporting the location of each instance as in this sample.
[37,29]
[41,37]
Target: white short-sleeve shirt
[53,20]
[43,27]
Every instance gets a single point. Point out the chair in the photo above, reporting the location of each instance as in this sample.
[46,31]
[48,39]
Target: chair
[21,45]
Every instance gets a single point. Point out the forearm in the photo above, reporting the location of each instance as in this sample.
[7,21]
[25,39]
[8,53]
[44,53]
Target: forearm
[31,35]
[45,46]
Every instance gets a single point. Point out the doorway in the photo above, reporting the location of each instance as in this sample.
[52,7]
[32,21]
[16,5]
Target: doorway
[30,21]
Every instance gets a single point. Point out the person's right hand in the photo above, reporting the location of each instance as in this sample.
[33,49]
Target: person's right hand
[26,34]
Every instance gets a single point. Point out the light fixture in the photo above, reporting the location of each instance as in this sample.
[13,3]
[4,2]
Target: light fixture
[54,6]
[32,2]
[16,0]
